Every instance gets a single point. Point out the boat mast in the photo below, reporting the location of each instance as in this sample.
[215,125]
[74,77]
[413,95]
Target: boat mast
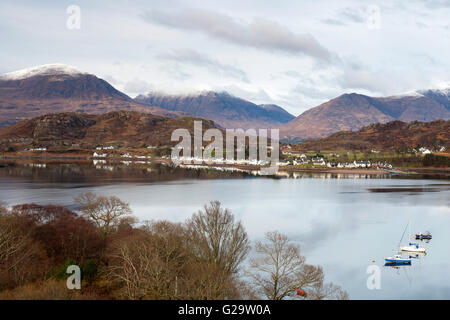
[403,235]
[409,230]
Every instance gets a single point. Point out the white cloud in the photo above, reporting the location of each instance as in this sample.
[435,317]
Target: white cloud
[260,33]
[193,57]
[137,86]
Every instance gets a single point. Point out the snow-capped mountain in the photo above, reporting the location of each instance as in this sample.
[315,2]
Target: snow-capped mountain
[53,88]
[441,95]
[59,88]
[53,81]
[43,70]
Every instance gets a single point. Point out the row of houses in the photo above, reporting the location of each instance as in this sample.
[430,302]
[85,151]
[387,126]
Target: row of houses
[319,161]
[105,148]
[360,164]
[287,150]
[253,162]
[112,147]
[303,159]
[35,149]
[316,161]
[124,155]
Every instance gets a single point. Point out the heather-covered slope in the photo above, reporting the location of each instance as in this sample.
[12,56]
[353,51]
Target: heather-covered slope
[393,135]
[129,127]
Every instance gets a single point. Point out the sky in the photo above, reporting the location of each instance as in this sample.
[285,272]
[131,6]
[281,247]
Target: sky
[297,54]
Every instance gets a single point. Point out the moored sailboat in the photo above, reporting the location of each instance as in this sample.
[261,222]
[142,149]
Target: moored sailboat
[397,260]
[411,247]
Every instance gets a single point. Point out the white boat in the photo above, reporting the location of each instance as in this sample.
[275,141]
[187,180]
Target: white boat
[411,247]
[397,260]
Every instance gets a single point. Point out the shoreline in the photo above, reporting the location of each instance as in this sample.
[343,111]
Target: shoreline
[337,170]
[86,158]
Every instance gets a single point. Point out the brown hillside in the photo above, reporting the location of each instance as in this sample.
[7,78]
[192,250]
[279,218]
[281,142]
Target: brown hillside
[130,127]
[347,112]
[389,136]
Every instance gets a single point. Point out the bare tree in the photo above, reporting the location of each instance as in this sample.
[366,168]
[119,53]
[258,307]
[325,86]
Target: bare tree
[328,291]
[206,281]
[134,265]
[148,263]
[105,212]
[280,271]
[217,238]
[19,253]
[158,262]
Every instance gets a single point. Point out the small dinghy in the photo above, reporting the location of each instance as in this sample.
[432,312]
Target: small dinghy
[423,236]
[397,260]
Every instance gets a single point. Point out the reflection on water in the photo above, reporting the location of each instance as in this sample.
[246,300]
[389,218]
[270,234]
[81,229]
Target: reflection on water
[339,221]
[416,255]
[400,271]
[101,172]
[408,272]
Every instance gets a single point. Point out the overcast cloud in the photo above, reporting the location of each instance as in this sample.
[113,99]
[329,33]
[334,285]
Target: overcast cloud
[260,33]
[195,58]
[297,54]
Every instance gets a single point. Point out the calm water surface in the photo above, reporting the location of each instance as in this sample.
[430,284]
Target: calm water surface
[343,224]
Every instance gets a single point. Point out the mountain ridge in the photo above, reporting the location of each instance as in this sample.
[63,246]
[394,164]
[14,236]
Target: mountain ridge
[352,111]
[51,88]
[54,88]
[223,108]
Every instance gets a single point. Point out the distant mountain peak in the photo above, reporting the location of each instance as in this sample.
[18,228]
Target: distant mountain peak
[44,70]
[209,93]
[412,93]
[223,108]
[192,94]
[350,94]
[443,89]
